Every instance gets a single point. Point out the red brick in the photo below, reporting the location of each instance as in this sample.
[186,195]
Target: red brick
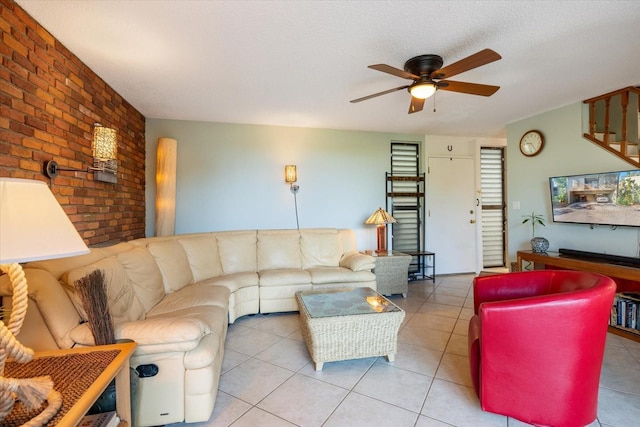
[49,101]
[14,44]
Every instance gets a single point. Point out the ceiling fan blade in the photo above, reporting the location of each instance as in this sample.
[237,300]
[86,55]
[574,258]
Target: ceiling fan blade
[416,105]
[364,98]
[394,71]
[470,88]
[478,59]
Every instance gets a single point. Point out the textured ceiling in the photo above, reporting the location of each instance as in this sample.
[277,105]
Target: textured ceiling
[298,63]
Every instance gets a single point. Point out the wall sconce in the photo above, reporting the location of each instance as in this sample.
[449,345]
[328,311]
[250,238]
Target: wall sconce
[381,218]
[290,177]
[105,153]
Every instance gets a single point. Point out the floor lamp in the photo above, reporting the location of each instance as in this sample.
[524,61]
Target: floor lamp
[33,227]
[381,218]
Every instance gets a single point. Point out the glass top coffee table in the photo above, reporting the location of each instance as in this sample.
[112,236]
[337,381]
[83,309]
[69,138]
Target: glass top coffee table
[348,323]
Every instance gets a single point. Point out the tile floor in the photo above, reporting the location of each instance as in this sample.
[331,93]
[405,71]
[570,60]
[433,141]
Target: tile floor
[268,378]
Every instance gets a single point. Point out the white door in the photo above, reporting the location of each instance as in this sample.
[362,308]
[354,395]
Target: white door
[451,215]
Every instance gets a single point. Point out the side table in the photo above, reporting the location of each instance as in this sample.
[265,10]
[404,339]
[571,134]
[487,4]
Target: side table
[68,367]
[424,265]
[392,272]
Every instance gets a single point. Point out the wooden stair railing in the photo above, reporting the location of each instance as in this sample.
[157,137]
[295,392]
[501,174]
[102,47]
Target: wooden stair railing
[608,113]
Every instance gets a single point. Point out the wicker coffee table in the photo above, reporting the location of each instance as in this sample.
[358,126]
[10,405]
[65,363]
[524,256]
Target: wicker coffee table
[348,323]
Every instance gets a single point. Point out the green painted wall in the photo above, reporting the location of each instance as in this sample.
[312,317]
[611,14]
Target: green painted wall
[231,176]
[565,152]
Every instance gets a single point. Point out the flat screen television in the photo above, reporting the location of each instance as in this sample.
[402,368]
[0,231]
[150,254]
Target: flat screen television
[608,198]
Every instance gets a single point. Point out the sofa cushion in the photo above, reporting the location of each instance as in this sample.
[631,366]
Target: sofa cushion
[194,295]
[202,253]
[279,249]
[237,251]
[144,274]
[326,275]
[173,263]
[284,278]
[356,261]
[320,249]
[124,306]
[154,335]
[235,281]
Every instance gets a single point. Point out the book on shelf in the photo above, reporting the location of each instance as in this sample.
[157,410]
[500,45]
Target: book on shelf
[104,419]
[625,312]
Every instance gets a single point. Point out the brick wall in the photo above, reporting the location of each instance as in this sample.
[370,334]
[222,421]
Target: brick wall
[49,101]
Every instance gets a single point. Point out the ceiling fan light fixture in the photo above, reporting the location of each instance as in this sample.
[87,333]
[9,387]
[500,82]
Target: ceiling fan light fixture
[422,90]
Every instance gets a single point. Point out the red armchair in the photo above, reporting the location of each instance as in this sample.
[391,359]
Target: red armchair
[536,344]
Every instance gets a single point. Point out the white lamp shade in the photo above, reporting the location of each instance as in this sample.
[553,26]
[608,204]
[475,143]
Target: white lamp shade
[33,225]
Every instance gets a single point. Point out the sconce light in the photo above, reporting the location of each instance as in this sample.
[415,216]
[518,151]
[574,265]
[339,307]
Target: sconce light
[290,177]
[381,218]
[105,153]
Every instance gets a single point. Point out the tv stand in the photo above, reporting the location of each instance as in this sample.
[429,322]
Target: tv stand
[627,278]
[595,256]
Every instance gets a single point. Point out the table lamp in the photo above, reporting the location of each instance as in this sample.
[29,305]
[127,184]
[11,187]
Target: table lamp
[381,218]
[33,227]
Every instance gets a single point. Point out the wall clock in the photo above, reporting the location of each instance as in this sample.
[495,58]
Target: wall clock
[531,143]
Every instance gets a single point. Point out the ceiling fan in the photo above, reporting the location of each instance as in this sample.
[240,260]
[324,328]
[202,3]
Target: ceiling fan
[426,70]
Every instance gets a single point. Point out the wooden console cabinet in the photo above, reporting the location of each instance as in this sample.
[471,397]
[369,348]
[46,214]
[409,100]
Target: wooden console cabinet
[626,278]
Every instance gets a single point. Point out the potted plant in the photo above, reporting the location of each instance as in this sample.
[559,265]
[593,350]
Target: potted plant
[538,244]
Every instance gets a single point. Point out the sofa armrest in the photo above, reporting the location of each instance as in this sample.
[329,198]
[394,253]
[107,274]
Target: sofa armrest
[155,335]
[357,261]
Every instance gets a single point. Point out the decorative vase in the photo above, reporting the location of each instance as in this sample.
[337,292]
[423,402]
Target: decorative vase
[539,245]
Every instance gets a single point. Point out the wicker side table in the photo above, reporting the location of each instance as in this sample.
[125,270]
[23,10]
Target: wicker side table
[392,273]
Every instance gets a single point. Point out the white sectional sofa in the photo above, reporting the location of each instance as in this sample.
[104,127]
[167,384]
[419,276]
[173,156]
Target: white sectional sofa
[175,297]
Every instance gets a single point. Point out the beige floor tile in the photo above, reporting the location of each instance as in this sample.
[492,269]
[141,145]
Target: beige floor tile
[457,292]
[287,353]
[232,359]
[618,409]
[461,328]
[258,417]
[458,406]
[303,400]
[429,338]
[345,374]
[440,309]
[442,298]
[431,321]
[458,345]
[251,341]
[396,386]
[414,358]
[466,313]
[281,324]
[430,422]
[362,411]
[227,410]
[252,380]
[620,370]
[455,369]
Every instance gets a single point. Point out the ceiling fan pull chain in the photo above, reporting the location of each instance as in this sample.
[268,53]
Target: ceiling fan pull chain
[434,102]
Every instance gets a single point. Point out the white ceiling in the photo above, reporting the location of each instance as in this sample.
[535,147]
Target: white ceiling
[298,63]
